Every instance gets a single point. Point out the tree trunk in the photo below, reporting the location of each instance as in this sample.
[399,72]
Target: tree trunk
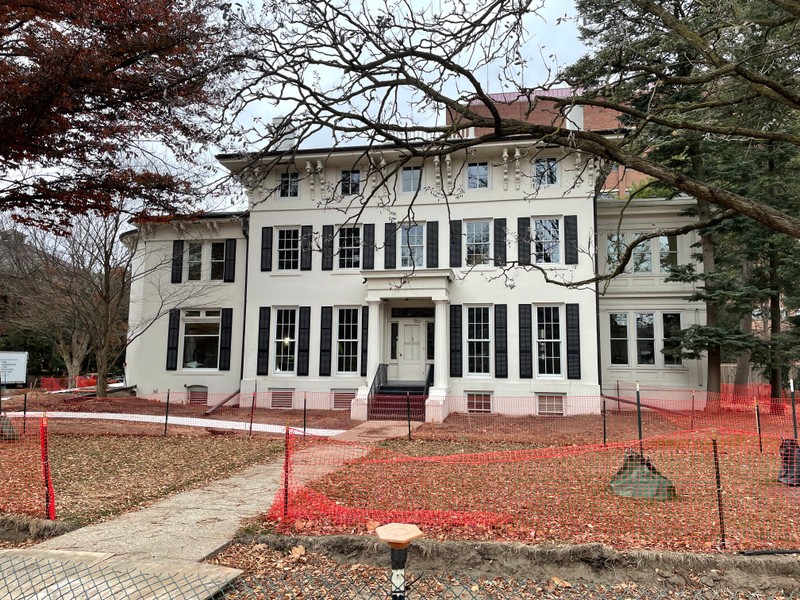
[775,354]
[741,379]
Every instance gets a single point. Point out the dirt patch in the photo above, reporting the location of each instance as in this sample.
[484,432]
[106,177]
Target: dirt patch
[20,528]
[590,563]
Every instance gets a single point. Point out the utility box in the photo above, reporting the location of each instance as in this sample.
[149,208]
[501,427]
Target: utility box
[13,369]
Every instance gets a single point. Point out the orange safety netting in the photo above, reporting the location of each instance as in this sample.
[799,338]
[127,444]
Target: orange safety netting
[25,481]
[535,479]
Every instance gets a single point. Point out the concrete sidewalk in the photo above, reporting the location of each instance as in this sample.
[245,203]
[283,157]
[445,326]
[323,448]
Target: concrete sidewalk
[195,524]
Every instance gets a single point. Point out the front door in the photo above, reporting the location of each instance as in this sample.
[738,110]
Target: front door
[411,357]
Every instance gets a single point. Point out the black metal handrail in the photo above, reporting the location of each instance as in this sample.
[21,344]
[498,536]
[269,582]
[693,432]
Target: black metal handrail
[428,380]
[379,380]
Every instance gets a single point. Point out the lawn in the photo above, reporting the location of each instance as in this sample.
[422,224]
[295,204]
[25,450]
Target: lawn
[98,476]
[458,489]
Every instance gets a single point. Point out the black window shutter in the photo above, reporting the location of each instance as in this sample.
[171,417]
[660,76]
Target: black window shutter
[369,246]
[525,341]
[499,242]
[177,261]
[524,240]
[262,353]
[573,342]
[303,338]
[325,331]
[266,248]
[225,330]
[364,338]
[570,239]
[306,237]
[432,249]
[456,358]
[501,341]
[173,333]
[390,246]
[327,247]
[455,244]
[229,268]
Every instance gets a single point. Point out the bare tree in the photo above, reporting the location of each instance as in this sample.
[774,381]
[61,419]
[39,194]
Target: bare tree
[371,73]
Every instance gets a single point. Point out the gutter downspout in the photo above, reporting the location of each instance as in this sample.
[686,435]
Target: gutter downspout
[246,233]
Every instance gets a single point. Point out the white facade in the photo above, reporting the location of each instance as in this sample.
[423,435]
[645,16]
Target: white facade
[336,273]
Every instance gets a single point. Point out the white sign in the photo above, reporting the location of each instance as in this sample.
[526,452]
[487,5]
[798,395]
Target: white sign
[13,368]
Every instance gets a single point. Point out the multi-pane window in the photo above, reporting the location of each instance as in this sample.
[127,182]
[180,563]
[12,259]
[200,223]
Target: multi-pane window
[656,255]
[653,331]
[479,402]
[667,252]
[289,187]
[194,261]
[618,334]
[548,340]
[411,177]
[351,182]
[645,339]
[478,340]
[478,175]
[217,261]
[285,340]
[550,404]
[347,341]
[412,246]
[201,339]
[671,328]
[545,172]
[478,241]
[546,241]
[642,256]
[349,248]
[288,249]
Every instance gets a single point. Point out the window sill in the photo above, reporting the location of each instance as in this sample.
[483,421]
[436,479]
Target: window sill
[214,372]
[292,273]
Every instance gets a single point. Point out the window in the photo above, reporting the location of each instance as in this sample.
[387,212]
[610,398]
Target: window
[478,175]
[289,187]
[342,399]
[478,340]
[548,340]
[645,339]
[217,261]
[349,248]
[545,172]
[642,256]
[550,404]
[671,328]
[546,241]
[618,334]
[288,249]
[653,331]
[411,178]
[653,256]
[351,182]
[412,246]
[285,340]
[201,339]
[479,402]
[347,341]
[478,242]
[667,253]
[194,261]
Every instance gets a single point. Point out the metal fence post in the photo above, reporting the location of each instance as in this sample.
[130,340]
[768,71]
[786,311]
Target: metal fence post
[166,415]
[719,490]
[605,437]
[758,425]
[305,413]
[692,413]
[253,409]
[794,409]
[25,412]
[639,418]
[408,413]
[286,474]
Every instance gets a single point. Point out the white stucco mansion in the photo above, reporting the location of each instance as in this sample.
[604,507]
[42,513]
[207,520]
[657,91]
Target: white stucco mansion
[351,268]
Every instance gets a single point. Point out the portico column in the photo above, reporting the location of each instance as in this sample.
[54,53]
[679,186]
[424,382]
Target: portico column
[374,336]
[441,357]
